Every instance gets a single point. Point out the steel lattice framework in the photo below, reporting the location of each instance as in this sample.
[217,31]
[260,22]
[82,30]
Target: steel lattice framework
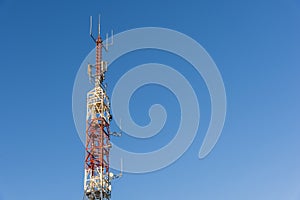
[97,176]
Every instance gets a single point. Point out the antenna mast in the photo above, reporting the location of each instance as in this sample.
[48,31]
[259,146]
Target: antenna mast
[97,174]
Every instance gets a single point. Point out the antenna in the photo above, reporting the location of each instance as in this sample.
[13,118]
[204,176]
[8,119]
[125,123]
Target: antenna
[99,25]
[107,43]
[121,172]
[91,28]
[121,126]
[91,24]
[118,134]
[89,71]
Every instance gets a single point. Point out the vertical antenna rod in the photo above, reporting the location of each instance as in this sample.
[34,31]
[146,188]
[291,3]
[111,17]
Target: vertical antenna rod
[99,26]
[91,25]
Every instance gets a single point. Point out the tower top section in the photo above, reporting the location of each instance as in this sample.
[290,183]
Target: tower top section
[96,72]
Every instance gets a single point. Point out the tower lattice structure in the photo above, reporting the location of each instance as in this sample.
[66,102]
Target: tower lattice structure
[97,175]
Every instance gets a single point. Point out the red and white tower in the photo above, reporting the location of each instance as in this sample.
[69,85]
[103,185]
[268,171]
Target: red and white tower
[97,175]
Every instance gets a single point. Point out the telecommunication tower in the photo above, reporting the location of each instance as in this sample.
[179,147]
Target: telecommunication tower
[97,174]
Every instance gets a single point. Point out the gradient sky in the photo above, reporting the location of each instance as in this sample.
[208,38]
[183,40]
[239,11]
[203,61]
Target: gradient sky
[256,46]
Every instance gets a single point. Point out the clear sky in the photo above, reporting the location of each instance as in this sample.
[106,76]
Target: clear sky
[256,46]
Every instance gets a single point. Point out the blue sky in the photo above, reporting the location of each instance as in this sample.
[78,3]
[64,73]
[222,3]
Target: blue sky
[256,46]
